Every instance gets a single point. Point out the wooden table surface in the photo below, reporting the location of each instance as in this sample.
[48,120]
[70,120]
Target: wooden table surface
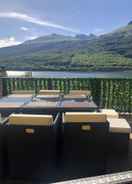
[17,103]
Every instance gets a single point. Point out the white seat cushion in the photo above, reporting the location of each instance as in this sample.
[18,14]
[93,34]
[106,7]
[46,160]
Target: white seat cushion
[78,117]
[30,119]
[80,92]
[49,92]
[74,96]
[118,125]
[111,113]
[20,92]
[20,95]
[47,96]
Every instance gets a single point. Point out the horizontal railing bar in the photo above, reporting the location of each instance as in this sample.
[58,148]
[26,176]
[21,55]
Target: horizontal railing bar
[65,78]
[116,178]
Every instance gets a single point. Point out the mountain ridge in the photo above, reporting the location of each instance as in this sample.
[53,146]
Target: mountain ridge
[80,52]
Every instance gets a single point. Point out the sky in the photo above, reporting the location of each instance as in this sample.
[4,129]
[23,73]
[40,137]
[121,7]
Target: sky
[22,20]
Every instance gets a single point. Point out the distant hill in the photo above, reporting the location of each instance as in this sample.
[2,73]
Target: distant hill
[81,52]
[50,39]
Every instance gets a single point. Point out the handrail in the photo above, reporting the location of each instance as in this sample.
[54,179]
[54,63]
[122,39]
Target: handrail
[116,178]
[72,78]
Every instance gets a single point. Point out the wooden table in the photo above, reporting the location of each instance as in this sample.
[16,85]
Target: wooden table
[13,103]
[49,106]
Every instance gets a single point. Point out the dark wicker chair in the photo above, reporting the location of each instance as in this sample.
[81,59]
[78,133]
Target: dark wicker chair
[2,154]
[84,145]
[31,150]
[119,135]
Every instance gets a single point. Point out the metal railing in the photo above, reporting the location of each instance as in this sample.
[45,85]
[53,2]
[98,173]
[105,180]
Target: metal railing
[116,178]
[107,93]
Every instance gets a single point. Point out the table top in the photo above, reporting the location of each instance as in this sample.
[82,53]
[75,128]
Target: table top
[78,104]
[22,103]
[41,103]
[62,105]
[14,101]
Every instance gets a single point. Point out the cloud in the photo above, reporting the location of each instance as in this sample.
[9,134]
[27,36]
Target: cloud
[98,31]
[31,37]
[24,28]
[37,21]
[6,42]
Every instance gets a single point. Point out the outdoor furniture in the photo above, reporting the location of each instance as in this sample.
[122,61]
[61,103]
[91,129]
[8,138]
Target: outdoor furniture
[42,104]
[76,97]
[41,107]
[77,94]
[20,92]
[49,94]
[31,146]
[111,113]
[119,132]
[20,96]
[13,103]
[78,105]
[86,117]
[84,142]
[80,92]
[48,97]
[28,104]
[1,150]
[30,119]
[16,99]
[53,107]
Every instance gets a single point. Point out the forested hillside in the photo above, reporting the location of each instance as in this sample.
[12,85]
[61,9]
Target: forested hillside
[81,52]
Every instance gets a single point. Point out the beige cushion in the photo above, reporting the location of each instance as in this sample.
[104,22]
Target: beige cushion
[118,125]
[23,92]
[130,136]
[78,117]
[111,113]
[80,92]
[30,119]
[20,96]
[48,96]
[70,96]
[49,92]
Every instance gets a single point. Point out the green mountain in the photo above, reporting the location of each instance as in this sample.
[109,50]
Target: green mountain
[50,39]
[81,52]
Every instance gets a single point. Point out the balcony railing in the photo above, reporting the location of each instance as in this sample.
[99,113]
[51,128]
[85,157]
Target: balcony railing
[107,93]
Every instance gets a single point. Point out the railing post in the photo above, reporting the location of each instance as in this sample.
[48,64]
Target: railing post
[49,84]
[1,87]
[2,74]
